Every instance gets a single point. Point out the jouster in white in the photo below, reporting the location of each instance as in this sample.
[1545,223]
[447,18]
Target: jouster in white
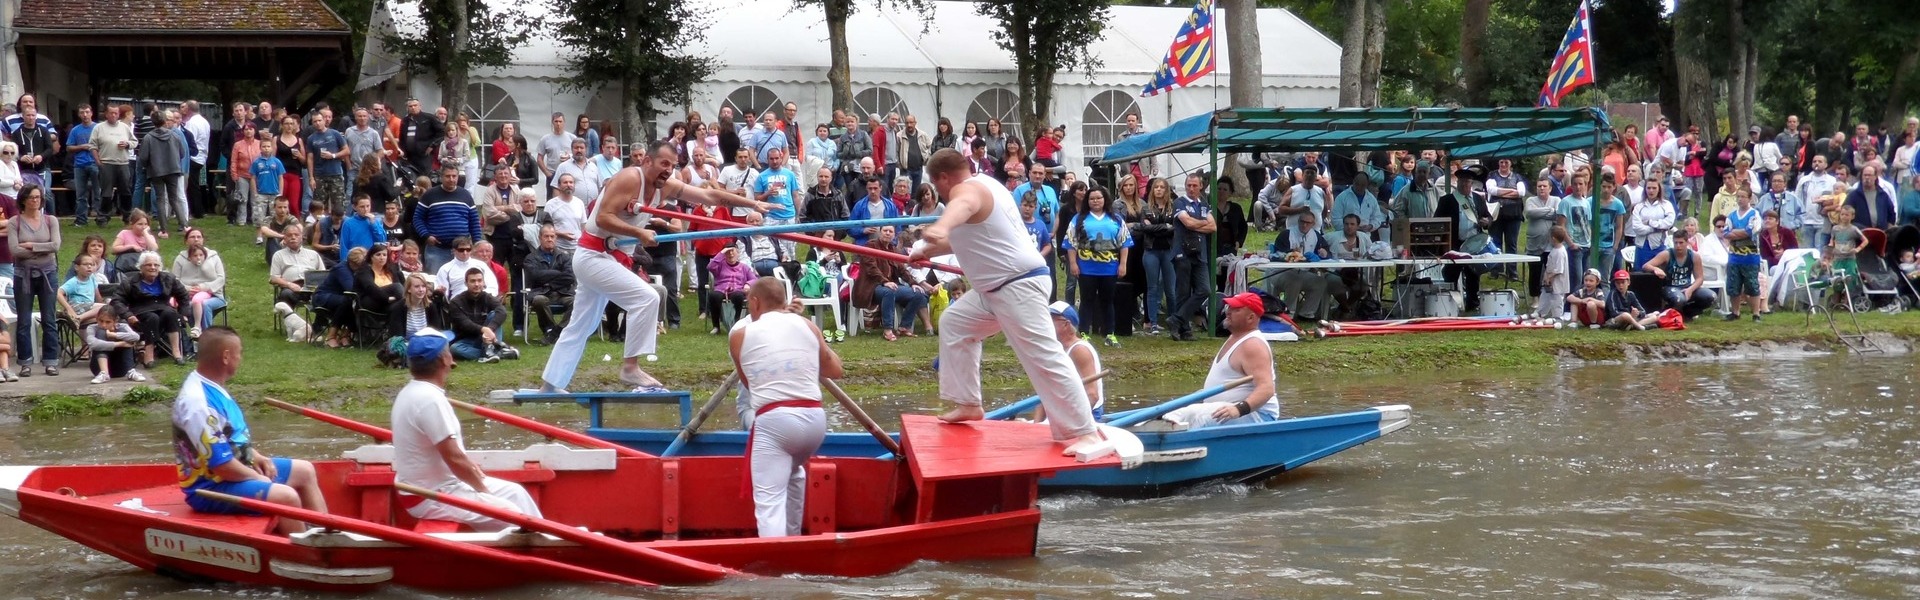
[782,357]
[982,229]
[600,278]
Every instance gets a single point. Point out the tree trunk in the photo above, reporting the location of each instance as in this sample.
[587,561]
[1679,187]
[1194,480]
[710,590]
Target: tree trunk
[840,73]
[1899,94]
[1353,47]
[1473,41]
[449,65]
[1024,72]
[1752,93]
[1696,84]
[1376,53]
[1737,108]
[1244,76]
[630,92]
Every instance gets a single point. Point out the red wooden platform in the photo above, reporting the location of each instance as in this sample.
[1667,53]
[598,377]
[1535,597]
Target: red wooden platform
[942,451]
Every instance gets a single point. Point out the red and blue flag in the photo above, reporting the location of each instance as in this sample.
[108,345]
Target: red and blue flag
[1191,56]
[1573,65]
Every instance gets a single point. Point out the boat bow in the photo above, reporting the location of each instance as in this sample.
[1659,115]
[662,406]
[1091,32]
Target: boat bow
[11,478]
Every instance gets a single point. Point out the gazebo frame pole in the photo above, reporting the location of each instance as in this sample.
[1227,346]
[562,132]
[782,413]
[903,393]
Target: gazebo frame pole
[1213,239]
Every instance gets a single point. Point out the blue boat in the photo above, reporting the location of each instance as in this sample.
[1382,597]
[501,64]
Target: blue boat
[1174,459]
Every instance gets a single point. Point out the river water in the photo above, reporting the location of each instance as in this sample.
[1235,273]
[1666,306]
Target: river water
[1782,479]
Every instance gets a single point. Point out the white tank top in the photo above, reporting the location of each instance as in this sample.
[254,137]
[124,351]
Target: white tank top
[1099,398]
[780,358]
[639,219]
[997,250]
[694,178]
[1222,371]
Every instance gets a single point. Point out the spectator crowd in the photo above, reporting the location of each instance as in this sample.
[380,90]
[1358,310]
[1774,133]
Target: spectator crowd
[376,223]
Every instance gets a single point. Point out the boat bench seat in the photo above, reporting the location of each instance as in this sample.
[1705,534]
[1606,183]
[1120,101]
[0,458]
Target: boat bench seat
[378,504]
[550,456]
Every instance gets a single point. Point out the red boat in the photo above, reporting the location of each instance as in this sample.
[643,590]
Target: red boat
[962,492]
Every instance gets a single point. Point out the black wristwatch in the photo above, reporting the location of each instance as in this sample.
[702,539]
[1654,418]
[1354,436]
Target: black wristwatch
[1244,408]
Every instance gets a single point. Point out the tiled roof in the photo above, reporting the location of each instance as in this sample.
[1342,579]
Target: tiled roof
[187,15]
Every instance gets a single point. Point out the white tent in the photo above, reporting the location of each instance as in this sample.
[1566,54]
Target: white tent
[772,52]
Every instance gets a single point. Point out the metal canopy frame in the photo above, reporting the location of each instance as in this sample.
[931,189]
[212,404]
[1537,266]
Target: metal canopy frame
[1462,132]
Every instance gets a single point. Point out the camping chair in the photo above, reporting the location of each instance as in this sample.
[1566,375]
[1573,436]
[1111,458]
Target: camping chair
[192,345]
[530,321]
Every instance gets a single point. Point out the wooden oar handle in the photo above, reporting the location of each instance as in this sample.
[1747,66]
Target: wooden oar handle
[865,420]
[379,434]
[550,431]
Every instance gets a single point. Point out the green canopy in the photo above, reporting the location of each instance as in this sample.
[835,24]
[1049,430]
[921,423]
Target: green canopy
[1462,132]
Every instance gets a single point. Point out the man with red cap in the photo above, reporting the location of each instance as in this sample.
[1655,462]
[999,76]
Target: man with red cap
[1244,354]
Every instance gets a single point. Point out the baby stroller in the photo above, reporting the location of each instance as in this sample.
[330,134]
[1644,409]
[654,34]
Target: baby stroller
[1905,238]
[1880,279]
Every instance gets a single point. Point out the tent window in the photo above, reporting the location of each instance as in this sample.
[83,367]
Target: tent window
[605,107]
[751,99]
[878,101]
[996,103]
[489,107]
[1105,120]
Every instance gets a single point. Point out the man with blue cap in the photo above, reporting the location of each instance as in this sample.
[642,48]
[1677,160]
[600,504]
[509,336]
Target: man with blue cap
[427,448]
[1086,360]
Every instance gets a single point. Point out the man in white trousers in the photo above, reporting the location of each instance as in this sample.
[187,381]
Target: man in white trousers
[600,278]
[782,357]
[982,229]
[427,448]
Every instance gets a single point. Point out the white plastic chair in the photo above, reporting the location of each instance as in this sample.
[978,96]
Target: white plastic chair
[1716,280]
[831,301]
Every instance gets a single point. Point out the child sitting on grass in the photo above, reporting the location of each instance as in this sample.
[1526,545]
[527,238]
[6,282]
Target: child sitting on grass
[80,295]
[113,343]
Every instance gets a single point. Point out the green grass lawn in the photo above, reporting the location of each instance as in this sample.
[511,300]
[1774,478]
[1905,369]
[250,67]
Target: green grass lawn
[690,358]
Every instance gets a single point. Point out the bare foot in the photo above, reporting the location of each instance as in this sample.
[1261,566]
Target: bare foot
[635,377]
[963,413]
[1087,444]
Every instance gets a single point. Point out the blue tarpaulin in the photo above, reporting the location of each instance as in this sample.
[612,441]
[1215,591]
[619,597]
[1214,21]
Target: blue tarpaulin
[1462,132]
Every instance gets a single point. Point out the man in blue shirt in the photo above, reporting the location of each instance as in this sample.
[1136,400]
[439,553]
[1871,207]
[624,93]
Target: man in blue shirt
[1049,197]
[875,205]
[1048,200]
[326,150]
[444,214]
[766,139]
[1193,259]
[86,171]
[775,186]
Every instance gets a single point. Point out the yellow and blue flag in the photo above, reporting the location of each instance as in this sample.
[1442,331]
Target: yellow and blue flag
[1191,56]
[1573,65]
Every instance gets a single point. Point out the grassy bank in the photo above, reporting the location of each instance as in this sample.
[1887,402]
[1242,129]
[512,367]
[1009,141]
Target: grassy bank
[692,359]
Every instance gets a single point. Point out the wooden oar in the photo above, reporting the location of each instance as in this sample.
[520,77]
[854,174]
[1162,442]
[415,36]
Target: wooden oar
[422,541]
[1136,417]
[723,224]
[550,431]
[680,567]
[1014,410]
[706,410]
[866,421]
[379,434]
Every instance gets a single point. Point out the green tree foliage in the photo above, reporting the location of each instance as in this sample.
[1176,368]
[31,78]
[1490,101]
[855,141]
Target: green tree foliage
[456,36]
[1831,61]
[633,44]
[1045,37]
